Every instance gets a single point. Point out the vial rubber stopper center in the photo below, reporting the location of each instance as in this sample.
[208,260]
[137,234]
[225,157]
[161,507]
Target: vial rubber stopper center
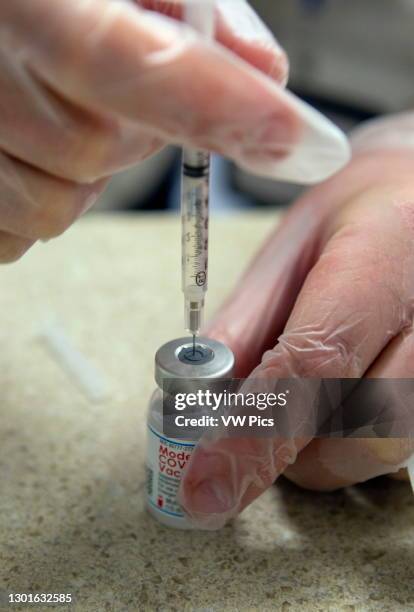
[195,355]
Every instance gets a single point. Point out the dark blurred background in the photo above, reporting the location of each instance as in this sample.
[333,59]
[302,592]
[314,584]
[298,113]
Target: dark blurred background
[351,59]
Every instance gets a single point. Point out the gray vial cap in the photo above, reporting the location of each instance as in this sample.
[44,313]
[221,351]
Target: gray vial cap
[179,360]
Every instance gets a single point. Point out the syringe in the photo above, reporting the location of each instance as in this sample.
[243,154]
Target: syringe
[195,199]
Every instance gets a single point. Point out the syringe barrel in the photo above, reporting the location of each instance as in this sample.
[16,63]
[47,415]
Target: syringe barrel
[195,195]
[195,219]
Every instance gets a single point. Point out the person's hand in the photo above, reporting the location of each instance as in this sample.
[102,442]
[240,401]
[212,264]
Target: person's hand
[333,292]
[89,88]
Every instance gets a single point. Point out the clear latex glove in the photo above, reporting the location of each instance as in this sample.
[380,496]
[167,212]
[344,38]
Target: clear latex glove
[90,87]
[333,292]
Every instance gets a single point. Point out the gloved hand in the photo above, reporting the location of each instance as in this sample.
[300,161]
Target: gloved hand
[89,88]
[333,292]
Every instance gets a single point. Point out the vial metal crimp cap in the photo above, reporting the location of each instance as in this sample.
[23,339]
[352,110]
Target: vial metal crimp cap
[181,359]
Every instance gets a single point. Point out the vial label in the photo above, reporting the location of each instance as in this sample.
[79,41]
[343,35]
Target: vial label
[166,460]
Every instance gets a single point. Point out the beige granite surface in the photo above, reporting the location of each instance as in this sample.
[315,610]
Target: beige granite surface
[71,470]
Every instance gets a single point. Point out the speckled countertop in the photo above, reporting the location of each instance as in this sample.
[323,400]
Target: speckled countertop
[71,470]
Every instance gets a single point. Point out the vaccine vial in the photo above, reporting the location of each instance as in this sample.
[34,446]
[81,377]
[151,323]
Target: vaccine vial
[167,456]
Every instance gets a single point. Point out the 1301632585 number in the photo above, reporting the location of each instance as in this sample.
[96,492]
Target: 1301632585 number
[33,598]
